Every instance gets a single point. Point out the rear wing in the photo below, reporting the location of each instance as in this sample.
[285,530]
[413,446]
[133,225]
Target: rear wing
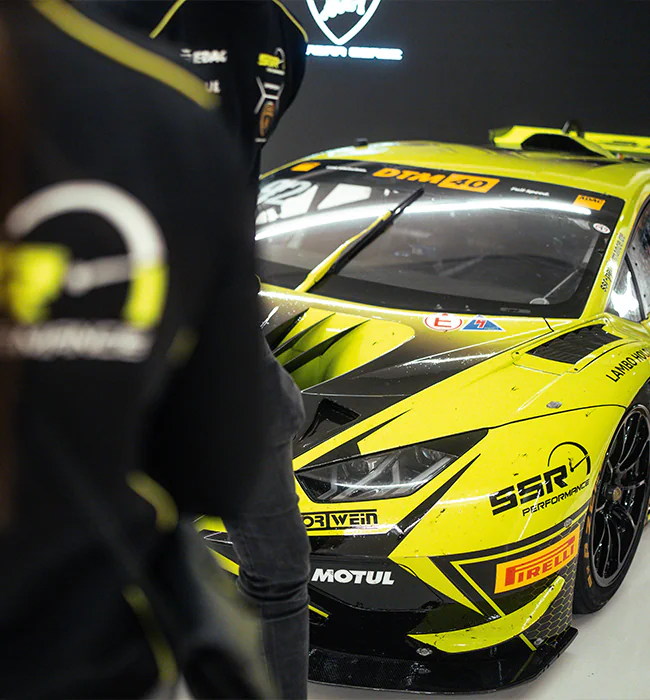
[571,139]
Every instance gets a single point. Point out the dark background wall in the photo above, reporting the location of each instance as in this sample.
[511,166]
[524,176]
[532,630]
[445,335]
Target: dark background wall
[470,65]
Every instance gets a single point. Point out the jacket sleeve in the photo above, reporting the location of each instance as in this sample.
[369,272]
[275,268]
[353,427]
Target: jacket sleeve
[295,43]
[205,437]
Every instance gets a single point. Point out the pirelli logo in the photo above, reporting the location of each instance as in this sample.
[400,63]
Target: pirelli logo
[522,572]
[589,202]
[339,520]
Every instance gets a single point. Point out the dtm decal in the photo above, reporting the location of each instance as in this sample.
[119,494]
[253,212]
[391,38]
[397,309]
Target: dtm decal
[373,578]
[563,462]
[628,364]
[339,520]
[454,181]
[527,570]
[410,175]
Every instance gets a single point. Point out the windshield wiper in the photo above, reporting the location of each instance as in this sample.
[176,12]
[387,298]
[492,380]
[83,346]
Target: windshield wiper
[351,248]
[373,231]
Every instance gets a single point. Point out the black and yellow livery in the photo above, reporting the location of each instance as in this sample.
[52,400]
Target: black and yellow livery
[469,327]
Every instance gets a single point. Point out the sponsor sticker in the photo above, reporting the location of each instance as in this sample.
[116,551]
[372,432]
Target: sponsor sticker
[618,247]
[589,202]
[607,280]
[480,323]
[469,183]
[353,576]
[532,193]
[305,167]
[628,364]
[443,322]
[340,520]
[601,228]
[527,570]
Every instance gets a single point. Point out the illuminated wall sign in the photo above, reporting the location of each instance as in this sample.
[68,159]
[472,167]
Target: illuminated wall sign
[340,21]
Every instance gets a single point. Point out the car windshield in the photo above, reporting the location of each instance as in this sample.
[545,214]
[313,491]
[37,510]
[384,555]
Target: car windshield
[470,243]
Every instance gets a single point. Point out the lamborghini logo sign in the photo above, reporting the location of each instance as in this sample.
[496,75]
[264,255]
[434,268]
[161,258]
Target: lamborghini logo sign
[340,20]
[527,570]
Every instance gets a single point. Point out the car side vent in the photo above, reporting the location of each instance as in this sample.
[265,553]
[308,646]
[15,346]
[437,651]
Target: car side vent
[573,346]
[332,412]
[275,337]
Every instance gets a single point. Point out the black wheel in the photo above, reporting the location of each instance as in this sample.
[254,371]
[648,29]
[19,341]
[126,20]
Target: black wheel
[617,513]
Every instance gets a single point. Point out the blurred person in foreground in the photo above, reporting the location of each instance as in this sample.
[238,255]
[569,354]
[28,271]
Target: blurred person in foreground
[252,54]
[125,220]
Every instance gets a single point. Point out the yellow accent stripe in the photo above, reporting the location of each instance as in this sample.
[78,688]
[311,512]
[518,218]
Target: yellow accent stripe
[424,569]
[165,20]
[117,48]
[162,652]
[496,631]
[152,492]
[490,602]
[293,19]
[226,564]
[322,613]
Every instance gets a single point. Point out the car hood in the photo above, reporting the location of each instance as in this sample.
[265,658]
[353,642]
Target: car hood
[352,361]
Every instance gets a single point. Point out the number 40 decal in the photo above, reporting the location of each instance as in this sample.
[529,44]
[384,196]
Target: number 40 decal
[469,182]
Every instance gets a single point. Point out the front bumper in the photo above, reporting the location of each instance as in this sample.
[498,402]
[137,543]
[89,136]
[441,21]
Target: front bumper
[503,666]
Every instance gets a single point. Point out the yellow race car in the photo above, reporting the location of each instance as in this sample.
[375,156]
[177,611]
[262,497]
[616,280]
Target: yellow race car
[469,328]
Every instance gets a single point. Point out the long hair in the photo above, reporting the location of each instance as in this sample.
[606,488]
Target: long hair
[11,161]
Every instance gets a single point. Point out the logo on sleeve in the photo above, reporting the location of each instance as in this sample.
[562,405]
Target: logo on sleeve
[205,56]
[40,274]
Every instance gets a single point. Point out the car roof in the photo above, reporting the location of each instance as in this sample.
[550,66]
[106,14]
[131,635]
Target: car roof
[620,178]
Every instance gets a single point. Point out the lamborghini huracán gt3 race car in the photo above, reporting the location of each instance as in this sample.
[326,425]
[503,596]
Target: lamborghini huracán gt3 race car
[469,327]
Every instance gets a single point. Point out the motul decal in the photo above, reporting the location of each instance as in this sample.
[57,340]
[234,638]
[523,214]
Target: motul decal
[355,577]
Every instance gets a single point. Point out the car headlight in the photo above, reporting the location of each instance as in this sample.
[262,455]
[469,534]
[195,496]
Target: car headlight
[392,474]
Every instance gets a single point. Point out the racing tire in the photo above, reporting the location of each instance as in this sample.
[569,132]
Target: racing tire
[617,513]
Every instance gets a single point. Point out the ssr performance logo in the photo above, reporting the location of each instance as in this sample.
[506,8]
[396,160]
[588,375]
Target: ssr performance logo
[527,570]
[567,463]
[340,520]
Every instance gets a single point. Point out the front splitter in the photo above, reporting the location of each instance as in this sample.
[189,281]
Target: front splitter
[503,666]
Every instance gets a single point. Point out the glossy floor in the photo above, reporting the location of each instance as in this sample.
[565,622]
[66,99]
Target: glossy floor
[609,659]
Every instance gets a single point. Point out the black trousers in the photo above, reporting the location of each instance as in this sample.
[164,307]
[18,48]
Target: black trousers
[272,545]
